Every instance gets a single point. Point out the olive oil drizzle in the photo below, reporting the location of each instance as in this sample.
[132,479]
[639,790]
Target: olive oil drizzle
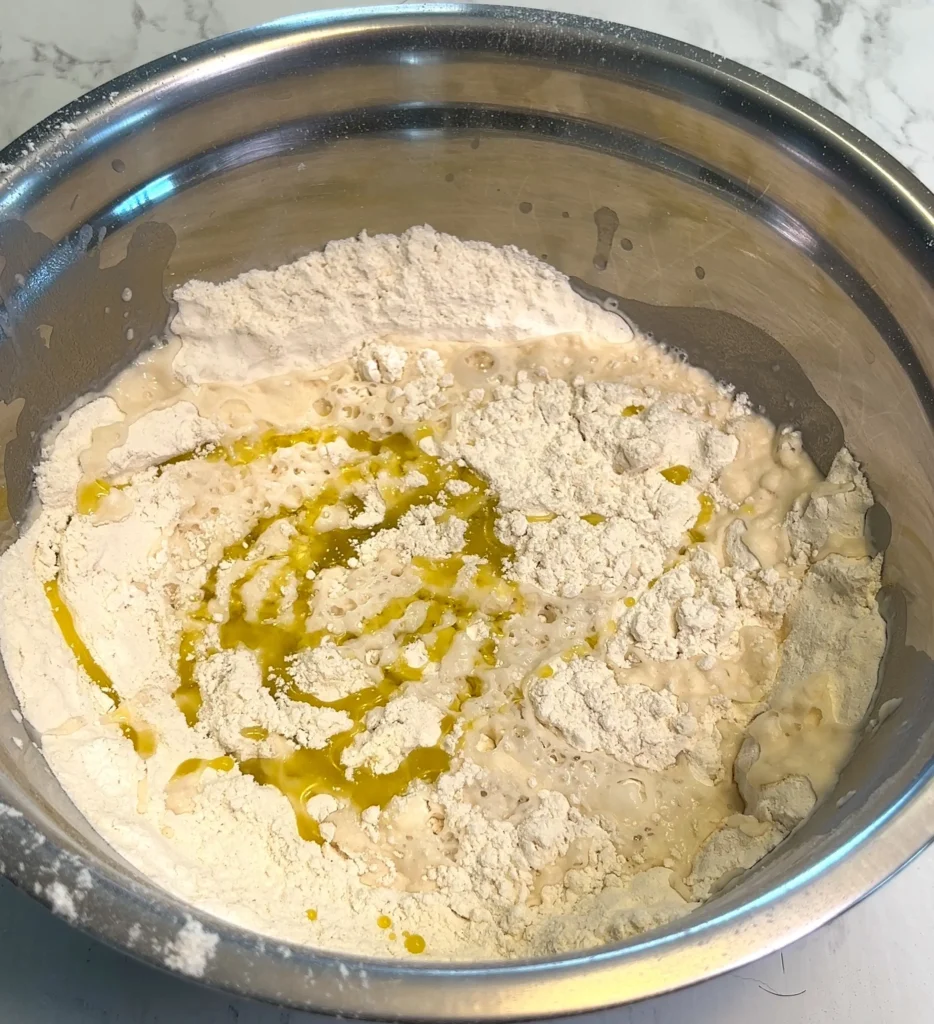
[677,474]
[278,631]
[137,732]
[707,509]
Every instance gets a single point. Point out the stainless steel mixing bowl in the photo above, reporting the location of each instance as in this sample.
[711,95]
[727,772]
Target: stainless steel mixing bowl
[730,216]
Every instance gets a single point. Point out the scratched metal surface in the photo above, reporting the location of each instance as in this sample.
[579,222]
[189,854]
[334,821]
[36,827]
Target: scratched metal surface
[871,966]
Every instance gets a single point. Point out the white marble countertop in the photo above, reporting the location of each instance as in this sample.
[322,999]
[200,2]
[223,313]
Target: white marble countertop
[869,62]
[866,60]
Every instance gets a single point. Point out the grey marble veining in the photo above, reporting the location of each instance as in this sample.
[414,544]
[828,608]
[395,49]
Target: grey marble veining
[867,60]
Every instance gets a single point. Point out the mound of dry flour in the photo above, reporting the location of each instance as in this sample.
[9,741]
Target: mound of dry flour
[555,634]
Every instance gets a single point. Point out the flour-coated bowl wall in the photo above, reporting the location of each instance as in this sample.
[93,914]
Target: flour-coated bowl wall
[731,217]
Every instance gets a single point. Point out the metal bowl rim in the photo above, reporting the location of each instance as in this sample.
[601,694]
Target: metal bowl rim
[872,856]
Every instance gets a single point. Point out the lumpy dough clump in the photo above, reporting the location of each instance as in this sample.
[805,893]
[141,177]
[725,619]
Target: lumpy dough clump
[405,603]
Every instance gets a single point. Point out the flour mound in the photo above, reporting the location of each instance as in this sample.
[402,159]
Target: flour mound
[492,872]
[425,532]
[583,456]
[630,722]
[393,731]
[836,513]
[424,282]
[327,674]
[235,699]
[693,611]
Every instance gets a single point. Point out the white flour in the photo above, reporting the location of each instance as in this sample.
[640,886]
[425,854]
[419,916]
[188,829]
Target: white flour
[418,533]
[326,674]
[235,699]
[633,724]
[403,725]
[517,722]
[191,950]
[323,307]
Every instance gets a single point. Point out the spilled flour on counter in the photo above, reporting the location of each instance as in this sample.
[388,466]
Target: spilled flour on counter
[404,603]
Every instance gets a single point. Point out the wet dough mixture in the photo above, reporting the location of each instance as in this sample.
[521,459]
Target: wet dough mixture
[405,603]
